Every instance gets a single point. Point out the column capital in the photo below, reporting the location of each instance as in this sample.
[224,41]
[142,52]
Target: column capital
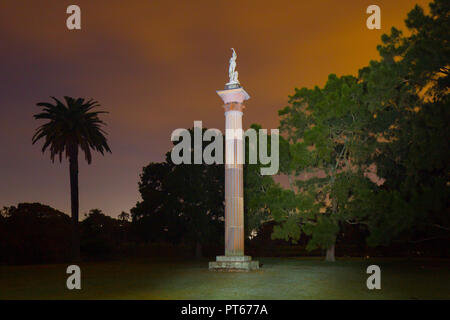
[233,106]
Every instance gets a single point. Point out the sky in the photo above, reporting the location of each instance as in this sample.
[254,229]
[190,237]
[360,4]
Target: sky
[155,66]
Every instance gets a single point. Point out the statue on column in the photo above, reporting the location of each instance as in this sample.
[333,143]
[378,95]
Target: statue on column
[232,73]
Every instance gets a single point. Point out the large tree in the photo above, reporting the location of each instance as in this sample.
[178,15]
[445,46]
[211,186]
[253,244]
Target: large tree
[395,115]
[256,187]
[408,91]
[181,202]
[323,147]
[71,125]
[34,233]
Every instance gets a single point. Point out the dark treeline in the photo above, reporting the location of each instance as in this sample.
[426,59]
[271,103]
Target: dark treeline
[36,233]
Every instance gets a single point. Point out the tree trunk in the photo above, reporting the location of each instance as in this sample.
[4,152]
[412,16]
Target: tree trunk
[73,167]
[330,254]
[291,184]
[198,250]
[330,250]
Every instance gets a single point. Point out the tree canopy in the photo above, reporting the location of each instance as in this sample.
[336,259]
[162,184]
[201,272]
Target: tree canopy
[372,150]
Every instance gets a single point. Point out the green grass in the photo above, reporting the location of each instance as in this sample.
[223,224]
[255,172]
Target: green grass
[279,278]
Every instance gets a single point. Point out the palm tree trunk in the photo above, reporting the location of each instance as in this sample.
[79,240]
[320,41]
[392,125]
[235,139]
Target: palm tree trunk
[73,167]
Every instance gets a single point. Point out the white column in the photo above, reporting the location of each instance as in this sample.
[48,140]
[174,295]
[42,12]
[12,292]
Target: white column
[234,176]
[234,184]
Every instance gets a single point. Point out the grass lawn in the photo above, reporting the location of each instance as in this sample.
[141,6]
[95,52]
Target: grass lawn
[279,278]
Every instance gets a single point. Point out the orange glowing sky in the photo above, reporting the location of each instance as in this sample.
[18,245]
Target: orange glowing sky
[155,66]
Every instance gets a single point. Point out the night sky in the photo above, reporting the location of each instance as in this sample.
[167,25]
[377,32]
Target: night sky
[155,66]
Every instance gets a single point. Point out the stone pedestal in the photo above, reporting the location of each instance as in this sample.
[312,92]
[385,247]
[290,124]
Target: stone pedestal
[234,258]
[233,263]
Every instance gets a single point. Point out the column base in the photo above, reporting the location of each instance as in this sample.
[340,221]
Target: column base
[233,263]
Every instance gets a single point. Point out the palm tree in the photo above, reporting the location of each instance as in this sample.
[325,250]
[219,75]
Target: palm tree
[71,126]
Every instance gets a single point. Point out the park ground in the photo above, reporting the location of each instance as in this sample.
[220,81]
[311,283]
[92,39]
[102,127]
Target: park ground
[279,278]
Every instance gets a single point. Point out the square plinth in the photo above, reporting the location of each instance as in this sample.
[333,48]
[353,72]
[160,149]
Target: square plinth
[233,263]
[233,95]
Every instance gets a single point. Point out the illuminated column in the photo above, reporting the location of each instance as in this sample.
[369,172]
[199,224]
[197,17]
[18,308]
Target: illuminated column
[233,97]
[234,177]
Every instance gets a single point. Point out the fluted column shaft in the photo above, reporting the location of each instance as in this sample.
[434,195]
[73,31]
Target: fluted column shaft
[234,184]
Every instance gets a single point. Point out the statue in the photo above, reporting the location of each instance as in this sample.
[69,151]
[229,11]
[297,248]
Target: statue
[232,73]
